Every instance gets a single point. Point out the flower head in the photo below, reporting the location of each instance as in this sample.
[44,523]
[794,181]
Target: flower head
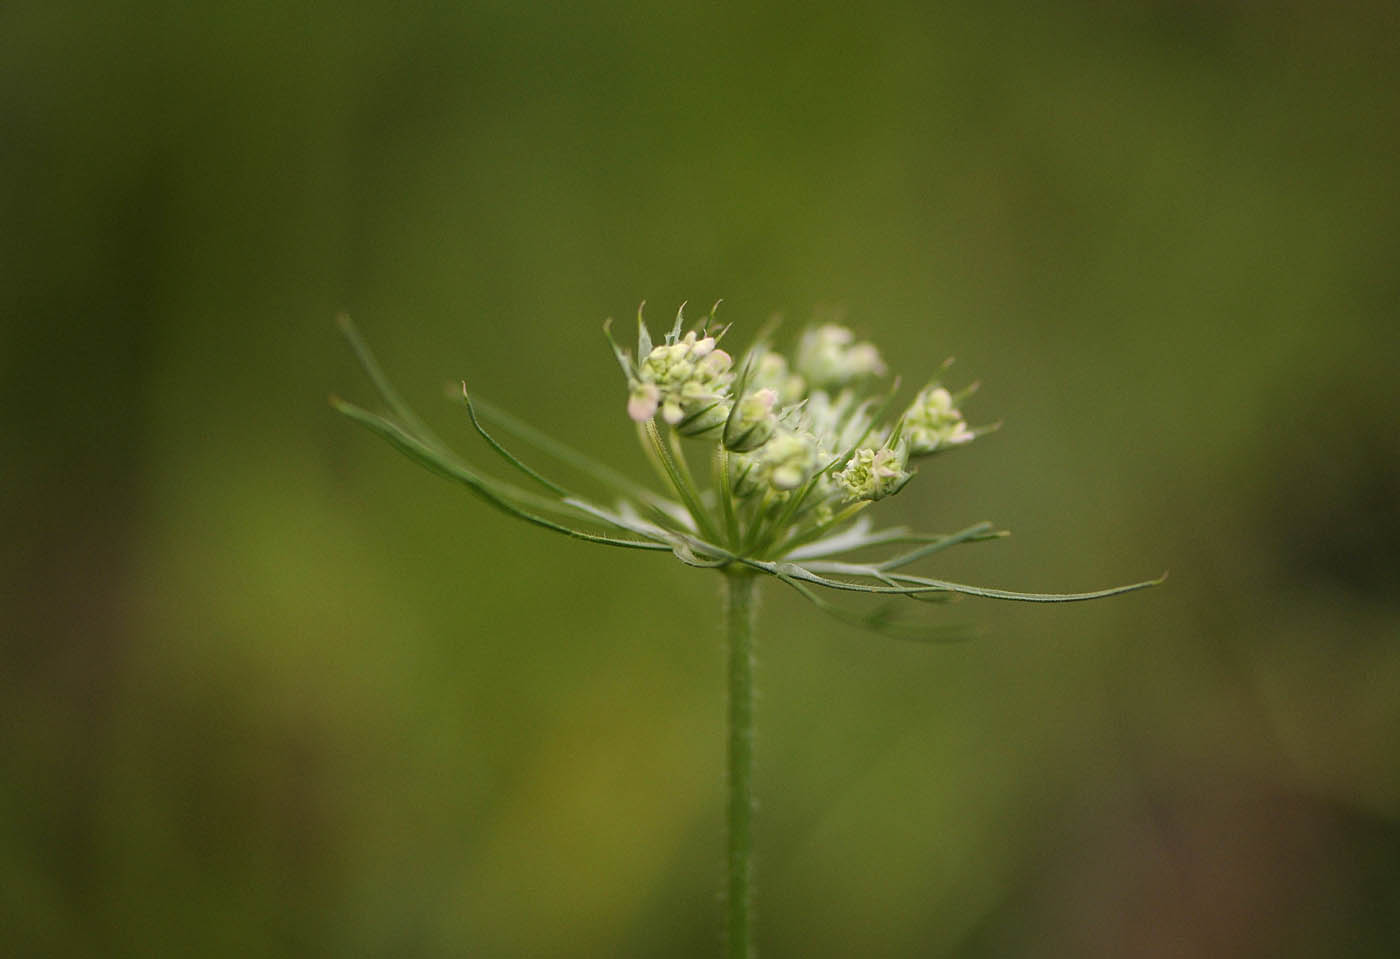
[688,380]
[787,460]
[874,474]
[797,449]
[828,357]
[933,423]
[802,444]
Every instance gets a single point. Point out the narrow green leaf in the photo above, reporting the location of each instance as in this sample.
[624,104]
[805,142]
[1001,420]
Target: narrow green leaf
[616,482]
[505,453]
[675,333]
[627,520]
[381,382]
[913,585]
[622,359]
[990,593]
[975,533]
[933,597]
[881,622]
[966,392]
[497,494]
[807,574]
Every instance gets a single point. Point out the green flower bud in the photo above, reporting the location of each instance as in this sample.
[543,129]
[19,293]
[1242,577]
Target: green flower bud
[932,423]
[771,371]
[874,474]
[714,367]
[827,357]
[785,462]
[752,422]
[687,382]
[788,460]
[698,347]
[643,401]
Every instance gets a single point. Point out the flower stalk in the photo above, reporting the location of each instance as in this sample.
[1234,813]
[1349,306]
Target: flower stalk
[740,615]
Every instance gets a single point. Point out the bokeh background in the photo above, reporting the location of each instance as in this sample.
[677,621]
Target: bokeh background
[268,689]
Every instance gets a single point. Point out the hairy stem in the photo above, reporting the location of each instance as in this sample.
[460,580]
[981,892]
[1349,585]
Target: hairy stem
[740,613]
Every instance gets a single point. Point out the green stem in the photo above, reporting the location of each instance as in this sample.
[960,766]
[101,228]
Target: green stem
[740,613]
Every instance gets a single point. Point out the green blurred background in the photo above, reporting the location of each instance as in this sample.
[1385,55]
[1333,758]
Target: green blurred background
[267,689]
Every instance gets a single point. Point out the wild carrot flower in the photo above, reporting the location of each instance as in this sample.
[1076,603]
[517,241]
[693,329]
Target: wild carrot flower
[797,449]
